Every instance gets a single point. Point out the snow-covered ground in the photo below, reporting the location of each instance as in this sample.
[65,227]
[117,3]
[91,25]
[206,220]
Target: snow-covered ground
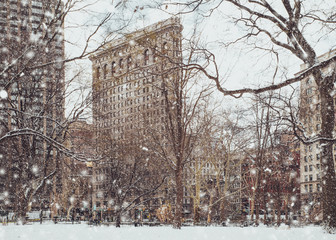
[49,231]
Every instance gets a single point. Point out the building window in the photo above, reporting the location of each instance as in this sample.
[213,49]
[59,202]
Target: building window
[306,168]
[318,187]
[129,62]
[318,107]
[121,64]
[310,178]
[310,187]
[164,48]
[317,156]
[310,148]
[146,57]
[318,117]
[309,91]
[98,72]
[318,176]
[310,168]
[318,166]
[305,158]
[105,71]
[113,66]
[306,188]
[306,178]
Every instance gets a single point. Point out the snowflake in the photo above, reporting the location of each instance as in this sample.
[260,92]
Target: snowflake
[132,43]
[2,171]
[253,171]
[30,54]
[3,94]
[35,169]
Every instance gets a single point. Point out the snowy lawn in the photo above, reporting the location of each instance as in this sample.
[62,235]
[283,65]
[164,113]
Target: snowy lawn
[49,231]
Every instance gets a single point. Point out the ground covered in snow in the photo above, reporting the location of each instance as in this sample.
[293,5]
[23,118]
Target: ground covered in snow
[49,231]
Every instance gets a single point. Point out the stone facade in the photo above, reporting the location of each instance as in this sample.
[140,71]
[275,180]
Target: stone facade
[128,97]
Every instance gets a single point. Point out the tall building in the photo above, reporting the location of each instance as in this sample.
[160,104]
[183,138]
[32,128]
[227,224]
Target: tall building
[310,154]
[32,73]
[128,87]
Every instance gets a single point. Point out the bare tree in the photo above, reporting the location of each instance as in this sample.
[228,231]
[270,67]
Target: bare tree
[128,173]
[281,28]
[33,124]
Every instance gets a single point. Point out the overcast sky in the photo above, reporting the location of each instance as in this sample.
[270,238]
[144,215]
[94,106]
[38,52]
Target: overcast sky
[239,66]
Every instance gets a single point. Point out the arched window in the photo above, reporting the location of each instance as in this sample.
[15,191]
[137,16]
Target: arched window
[121,64]
[98,72]
[146,57]
[129,62]
[113,70]
[164,48]
[105,71]
[154,51]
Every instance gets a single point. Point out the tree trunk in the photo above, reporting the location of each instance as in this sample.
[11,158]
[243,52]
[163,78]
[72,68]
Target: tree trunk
[118,220]
[223,216]
[257,204]
[22,211]
[326,86]
[179,197]
[278,211]
[209,218]
[196,214]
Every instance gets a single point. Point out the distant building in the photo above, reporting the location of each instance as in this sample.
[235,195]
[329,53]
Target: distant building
[77,175]
[271,185]
[128,97]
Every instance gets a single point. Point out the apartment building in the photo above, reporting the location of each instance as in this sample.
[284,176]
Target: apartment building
[310,154]
[32,74]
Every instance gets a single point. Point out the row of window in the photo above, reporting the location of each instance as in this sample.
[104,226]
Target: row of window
[309,178]
[146,102]
[117,102]
[129,63]
[149,117]
[137,92]
[310,158]
[309,188]
[310,147]
[310,167]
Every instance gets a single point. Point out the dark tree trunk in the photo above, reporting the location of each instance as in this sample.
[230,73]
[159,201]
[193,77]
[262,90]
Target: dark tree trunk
[179,197]
[196,214]
[326,86]
[22,211]
[118,220]
[223,216]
